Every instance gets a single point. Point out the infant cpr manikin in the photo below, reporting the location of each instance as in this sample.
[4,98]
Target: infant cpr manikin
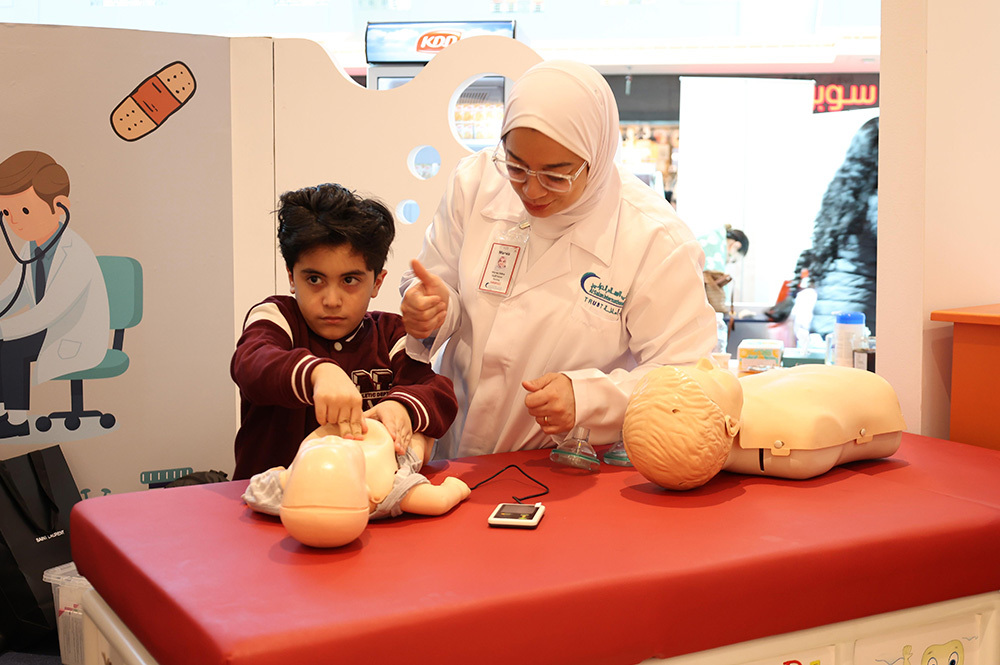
[685,424]
[334,486]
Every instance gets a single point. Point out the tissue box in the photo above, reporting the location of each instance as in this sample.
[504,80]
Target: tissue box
[793,356]
[756,355]
[67,592]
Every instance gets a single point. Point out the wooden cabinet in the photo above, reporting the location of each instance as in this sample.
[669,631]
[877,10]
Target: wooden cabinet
[975,374]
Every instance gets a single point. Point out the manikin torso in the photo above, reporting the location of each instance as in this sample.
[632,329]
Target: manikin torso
[378,451]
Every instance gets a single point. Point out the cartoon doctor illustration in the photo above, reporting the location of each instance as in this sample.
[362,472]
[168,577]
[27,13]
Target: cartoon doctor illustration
[54,304]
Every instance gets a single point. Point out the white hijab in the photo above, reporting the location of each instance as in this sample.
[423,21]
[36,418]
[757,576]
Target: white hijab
[571,103]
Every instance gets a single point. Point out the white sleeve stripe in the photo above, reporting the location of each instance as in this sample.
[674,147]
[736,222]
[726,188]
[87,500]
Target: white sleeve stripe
[268,312]
[423,418]
[299,374]
[400,345]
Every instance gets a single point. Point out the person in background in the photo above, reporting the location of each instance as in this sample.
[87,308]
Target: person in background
[605,281]
[321,357]
[723,246]
[841,263]
[737,244]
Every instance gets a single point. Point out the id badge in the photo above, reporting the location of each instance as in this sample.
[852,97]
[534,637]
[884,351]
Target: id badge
[503,260]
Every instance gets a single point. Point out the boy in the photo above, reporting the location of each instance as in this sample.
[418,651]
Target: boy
[320,357]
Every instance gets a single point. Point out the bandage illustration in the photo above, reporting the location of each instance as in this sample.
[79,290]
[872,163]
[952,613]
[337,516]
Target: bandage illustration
[153,101]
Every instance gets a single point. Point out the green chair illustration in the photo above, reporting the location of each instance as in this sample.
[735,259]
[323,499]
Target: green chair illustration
[123,278]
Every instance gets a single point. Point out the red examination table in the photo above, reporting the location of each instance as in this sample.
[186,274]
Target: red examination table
[618,571]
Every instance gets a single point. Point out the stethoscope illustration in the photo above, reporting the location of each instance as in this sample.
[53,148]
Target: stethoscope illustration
[37,255]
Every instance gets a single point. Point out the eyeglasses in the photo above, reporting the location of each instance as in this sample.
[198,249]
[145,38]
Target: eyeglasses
[550,180]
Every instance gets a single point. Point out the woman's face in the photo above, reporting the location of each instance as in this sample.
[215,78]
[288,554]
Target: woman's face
[537,152]
[733,248]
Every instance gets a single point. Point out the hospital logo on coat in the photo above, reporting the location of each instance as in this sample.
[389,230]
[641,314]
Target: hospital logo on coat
[601,296]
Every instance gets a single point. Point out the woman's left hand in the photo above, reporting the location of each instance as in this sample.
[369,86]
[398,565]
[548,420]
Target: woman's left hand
[551,402]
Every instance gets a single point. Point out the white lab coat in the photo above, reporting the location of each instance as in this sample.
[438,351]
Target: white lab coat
[74,309]
[635,249]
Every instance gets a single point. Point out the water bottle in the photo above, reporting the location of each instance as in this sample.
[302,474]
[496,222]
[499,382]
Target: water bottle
[721,333]
[848,327]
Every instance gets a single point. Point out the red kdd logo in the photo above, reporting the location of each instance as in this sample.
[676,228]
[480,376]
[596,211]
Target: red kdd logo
[435,40]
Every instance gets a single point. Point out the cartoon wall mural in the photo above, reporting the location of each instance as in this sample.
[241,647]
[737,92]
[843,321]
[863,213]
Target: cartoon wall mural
[54,318]
[153,101]
[950,653]
[115,340]
[954,641]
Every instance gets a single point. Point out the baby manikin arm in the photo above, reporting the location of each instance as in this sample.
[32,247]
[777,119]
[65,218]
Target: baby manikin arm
[429,499]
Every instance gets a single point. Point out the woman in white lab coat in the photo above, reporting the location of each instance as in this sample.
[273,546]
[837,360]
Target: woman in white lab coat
[550,280]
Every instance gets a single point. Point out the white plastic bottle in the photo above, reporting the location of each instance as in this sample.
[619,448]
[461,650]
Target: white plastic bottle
[848,327]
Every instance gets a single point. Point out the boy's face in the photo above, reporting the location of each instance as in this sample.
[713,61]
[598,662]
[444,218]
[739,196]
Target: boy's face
[29,216]
[333,286]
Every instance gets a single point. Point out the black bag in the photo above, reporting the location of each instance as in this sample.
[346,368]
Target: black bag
[200,478]
[37,492]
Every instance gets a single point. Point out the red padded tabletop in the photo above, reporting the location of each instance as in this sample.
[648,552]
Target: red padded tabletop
[619,570]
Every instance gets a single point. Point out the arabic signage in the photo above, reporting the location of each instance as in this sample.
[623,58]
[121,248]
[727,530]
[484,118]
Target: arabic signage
[398,43]
[844,93]
[657,97]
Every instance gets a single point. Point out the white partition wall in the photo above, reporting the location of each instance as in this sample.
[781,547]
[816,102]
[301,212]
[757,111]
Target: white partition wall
[329,129]
[937,192]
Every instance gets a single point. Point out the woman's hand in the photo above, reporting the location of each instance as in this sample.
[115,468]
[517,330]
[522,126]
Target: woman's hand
[396,419]
[337,400]
[424,305]
[551,402]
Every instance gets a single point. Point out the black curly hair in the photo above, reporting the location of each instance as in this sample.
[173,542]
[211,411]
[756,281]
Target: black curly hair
[739,236]
[850,202]
[332,215]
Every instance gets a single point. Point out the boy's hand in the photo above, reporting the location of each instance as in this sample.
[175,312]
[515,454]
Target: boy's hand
[551,402]
[424,306]
[337,400]
[396,419]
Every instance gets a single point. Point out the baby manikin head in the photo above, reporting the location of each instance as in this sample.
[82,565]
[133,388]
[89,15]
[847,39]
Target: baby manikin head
[328,486]
[680,424]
